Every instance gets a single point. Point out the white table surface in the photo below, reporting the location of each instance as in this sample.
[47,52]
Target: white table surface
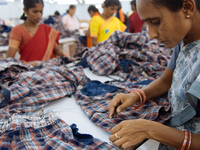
[3,48]
[66,40]
[70,112]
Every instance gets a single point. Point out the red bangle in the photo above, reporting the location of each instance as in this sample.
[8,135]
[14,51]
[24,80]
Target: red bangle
[143,95]
[139,97]
[189,144]
[185,140]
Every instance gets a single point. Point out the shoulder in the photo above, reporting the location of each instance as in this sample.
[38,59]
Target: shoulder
[18,27]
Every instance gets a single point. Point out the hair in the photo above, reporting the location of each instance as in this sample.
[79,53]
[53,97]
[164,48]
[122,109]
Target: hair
[108,3]
[133,2]
[92,8]
[71,7]
[30,4]
[174,5]
[57,13]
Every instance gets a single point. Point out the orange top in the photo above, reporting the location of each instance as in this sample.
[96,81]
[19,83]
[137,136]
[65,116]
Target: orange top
[121,16]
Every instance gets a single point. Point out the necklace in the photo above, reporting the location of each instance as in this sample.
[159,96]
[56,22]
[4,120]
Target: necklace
[29,29]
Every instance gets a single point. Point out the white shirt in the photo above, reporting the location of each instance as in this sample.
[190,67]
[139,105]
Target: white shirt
[70,22]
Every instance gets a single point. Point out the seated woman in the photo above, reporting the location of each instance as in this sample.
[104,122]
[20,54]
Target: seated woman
[69,20]
[170,22]
[33,40]
[102,26]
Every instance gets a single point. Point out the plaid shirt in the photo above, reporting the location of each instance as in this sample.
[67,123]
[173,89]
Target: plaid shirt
[48,131]
[31,90]
[95,107]
[149,57]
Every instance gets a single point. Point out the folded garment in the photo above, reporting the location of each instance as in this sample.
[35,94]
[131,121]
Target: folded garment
[48,131]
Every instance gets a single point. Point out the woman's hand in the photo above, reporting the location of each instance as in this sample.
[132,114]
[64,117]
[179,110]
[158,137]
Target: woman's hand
[122,101]
[130,133]
[33,63]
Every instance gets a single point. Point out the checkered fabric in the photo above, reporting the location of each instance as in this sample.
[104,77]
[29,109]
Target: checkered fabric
[95,107]
[80,48]
[40,132]
[29,90]
[149,56]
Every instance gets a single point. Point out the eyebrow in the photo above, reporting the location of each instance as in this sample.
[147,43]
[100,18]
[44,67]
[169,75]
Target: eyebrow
[149,19]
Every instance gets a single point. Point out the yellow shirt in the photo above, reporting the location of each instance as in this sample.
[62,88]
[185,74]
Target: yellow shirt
[102,29]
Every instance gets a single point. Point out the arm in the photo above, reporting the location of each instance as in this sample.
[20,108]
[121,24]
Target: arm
[155,89]
[133,132]
[58,51]
[94,41]
[11,52]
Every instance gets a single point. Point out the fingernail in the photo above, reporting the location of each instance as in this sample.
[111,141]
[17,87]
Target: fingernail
[118,110]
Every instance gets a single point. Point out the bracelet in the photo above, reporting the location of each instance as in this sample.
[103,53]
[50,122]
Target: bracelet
[189,144]
[185,140]
[142,93]
[139,97]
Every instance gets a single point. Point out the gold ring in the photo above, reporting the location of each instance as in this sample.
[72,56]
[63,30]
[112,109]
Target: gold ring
[117,137]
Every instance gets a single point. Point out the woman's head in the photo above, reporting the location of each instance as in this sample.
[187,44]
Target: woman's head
[169,21]
[33,10]
[133,5]
[71,10]
[110,7]
[92,10]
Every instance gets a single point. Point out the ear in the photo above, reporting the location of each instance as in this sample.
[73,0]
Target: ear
[189,7]
[25,11]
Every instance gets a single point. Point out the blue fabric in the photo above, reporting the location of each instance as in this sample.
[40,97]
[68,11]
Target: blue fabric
[84,63]
[125,64]
[49,21]
[83,40]
[146,82]
[4,97]
[95,88]
[5,29]
[84,138]
[172,62]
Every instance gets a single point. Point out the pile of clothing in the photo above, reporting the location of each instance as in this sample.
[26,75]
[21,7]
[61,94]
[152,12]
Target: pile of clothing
[4,34]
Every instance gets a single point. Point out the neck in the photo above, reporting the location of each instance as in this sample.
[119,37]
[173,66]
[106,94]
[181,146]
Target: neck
[194,33]
[30,24]
[71,15]
[105,16]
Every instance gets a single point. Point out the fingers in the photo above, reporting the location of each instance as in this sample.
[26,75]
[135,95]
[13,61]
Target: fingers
[113,105]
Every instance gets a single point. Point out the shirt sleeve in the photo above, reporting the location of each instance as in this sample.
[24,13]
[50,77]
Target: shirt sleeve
[94,27]
[122,26]
[64,20]
[172,62]
[15,38]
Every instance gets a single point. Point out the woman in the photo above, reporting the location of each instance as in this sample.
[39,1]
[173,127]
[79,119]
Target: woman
[93,11]
[102,26]
[69,20]
[135,23]
[33,40]
[121,16]
[170,21]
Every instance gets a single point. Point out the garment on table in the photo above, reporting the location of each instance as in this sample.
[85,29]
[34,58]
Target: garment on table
[37,47]
[135,23]
[141,56]
[5,29]
[31,89]
[96,106]
[123,18]
[89,41]
[4,35]
[70,22]
[102,29]
[48,131]
[58,25]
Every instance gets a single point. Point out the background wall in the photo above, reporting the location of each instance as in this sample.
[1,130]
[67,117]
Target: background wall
[14,10]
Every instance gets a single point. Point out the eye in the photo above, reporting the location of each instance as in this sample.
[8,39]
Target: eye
[155,22]
[35,11]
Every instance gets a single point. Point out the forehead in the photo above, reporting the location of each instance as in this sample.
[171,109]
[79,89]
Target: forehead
[38,7]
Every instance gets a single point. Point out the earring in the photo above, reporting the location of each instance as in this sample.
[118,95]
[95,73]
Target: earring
[25,15]
[188,16]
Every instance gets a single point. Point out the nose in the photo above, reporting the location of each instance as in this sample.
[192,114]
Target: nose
[153,33]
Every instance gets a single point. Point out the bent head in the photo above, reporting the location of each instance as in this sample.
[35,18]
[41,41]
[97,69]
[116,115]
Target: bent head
[92,10]
[72,10]
[169,21]
[33,10]
[110,7]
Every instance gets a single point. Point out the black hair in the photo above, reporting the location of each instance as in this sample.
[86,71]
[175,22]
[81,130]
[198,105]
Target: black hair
[92,8]
[133,2]
[108,3]
[71,7]
[30,4]
[57,13]
[174,5]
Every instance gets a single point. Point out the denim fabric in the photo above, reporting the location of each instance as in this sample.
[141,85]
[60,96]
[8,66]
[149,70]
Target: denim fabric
[4,97]
[5,29]
[83,40]
[95,88]
[83,138]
